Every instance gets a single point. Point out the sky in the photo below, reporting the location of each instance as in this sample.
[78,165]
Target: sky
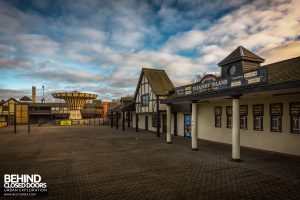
[100,46]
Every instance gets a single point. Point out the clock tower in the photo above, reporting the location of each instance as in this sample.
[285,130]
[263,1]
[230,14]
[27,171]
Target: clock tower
[240,61]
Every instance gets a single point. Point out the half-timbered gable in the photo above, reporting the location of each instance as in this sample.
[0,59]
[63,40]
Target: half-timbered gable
[153,86]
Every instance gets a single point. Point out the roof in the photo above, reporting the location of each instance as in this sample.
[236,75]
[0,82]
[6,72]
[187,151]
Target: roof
[281,75]
[284,71]
[241,53]
[25,98]
[47,104]
[158,80]
[127,98]
[15,100]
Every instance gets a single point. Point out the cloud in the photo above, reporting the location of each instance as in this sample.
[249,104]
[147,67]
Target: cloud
[101,46]
[37,44]
[64,76]
[282,52]
[7,63]
[185,41]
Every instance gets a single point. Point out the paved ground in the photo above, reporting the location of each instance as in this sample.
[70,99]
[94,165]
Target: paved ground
[104,163]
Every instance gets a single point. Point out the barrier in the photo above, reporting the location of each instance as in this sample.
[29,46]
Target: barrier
[3,124]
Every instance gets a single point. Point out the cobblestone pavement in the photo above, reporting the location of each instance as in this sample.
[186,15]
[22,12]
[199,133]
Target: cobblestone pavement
[104,163]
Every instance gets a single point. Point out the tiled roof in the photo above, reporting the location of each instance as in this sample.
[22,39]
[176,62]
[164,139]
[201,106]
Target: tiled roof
[25,98]
[159,81]
[240,53]
[284,71]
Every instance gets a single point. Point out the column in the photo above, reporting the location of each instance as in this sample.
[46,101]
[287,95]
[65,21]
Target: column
[175,123]
[235,129]
[117,120]
[123,122]
[169,116]
[128,119]
[194,127]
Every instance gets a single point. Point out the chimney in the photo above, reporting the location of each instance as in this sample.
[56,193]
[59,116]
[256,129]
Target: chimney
[33,94]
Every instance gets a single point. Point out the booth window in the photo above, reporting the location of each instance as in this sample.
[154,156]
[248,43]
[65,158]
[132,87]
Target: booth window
[295,117]
[276,111]
[154,121]
[218,116]
[229,116]
[145,99]
[243,116]
[258,115]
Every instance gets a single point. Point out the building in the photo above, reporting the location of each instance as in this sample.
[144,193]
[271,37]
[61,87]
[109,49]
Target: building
[121,114]
[7,110]
[46,112]
[149,114]
[249,105]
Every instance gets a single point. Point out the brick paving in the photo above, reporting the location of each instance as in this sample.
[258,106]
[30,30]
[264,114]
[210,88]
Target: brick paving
[102,163]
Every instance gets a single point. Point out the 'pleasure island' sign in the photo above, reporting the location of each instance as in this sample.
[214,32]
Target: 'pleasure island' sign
[258,76]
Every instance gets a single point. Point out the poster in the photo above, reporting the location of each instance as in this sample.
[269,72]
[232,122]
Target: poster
[187,125]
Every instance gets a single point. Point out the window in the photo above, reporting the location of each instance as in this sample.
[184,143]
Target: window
[218,116]
[243,116]
[258,116]
[243,122]
[145,100]
[296,124]
[258,123]
[154,121]
[229,121]
[218,119]
[276,111]
[5,108]
[229,116]
[276,122]
[295,117]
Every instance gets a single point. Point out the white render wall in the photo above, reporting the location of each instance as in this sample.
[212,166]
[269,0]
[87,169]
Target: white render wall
[142,122]
[284,142]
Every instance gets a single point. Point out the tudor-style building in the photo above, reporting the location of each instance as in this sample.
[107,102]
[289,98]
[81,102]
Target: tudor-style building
[153,86]
[248,105]
[7,110]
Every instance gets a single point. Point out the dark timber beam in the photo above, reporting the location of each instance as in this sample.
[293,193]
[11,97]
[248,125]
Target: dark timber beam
[158,117]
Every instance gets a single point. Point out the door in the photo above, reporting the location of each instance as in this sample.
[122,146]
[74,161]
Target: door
[187,125]
[164,123]
[146,123]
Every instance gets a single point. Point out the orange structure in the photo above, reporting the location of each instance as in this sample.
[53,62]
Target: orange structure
[105,105]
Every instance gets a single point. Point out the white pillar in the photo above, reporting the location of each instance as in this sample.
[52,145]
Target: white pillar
[194,127]
[169,116]
[235,129]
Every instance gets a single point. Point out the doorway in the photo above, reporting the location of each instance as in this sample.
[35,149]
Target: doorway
[146,123]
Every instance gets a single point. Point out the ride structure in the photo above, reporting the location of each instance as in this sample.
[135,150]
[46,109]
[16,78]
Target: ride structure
[75,101]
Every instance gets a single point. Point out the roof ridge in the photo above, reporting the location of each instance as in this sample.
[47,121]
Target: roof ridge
[152,69]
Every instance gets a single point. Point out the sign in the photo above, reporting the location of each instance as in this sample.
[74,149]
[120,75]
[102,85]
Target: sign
[243,110]
[65,122]
[218,110]
[258,76]
[258,109]
[228,110]
[22,114]
[295,108]
[276,109]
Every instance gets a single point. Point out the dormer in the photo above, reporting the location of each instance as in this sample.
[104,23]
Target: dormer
[240,61]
